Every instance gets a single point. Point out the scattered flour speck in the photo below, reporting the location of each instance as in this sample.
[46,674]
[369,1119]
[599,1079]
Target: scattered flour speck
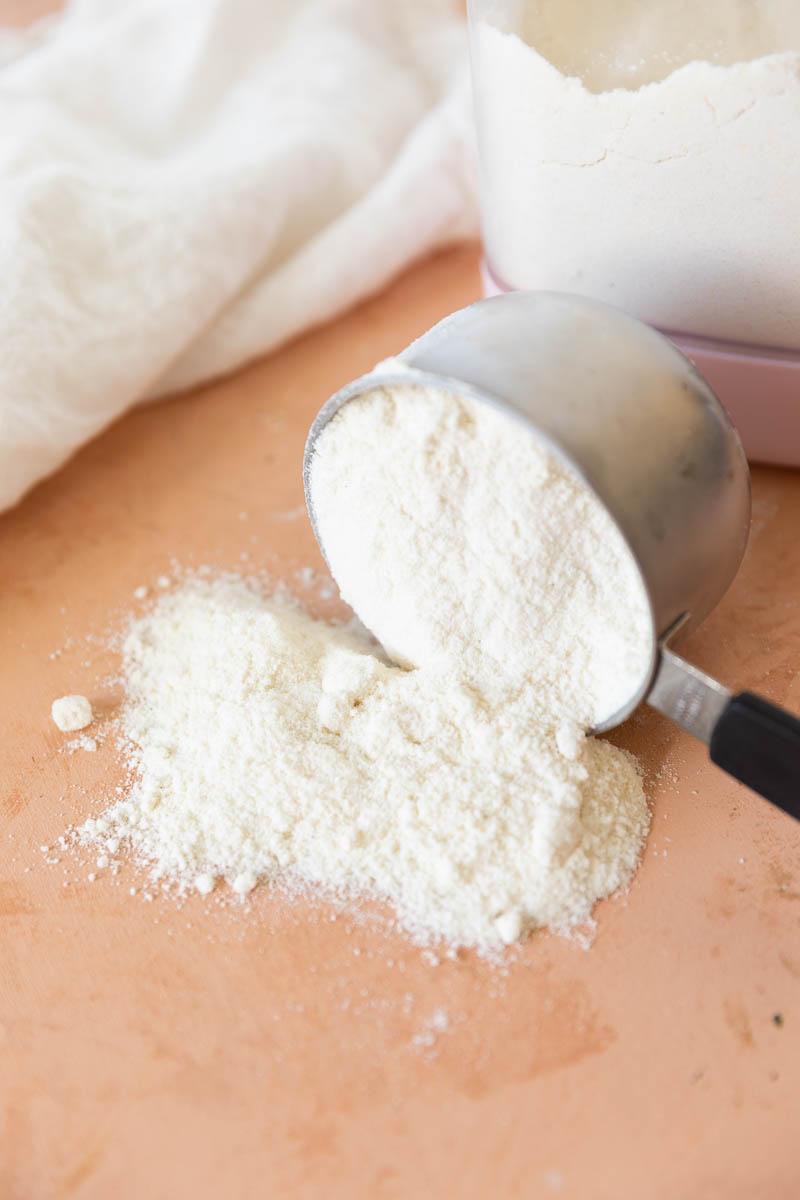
[437,1024]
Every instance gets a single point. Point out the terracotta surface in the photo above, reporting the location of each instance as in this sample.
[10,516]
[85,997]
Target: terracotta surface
[24,12]
[153,1051]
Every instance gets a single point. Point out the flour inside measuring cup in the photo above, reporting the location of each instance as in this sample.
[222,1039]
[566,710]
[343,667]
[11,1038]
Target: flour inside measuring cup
[468,547]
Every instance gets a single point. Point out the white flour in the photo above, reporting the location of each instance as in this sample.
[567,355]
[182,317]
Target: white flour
[467,548]
[71,712]
[615,166]
[267,746]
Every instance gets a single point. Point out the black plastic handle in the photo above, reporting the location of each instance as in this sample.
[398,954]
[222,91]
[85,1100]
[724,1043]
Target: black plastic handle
[759,744]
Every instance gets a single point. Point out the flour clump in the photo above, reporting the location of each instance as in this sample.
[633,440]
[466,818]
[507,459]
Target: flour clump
[71,712]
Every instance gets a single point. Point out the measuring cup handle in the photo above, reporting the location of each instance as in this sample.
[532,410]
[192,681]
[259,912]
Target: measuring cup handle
[759,744]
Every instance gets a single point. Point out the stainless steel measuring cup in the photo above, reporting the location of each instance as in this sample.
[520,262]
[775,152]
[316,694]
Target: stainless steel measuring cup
[633,418]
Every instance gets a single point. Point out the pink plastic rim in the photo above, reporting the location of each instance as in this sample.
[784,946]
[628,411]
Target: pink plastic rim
[759,388]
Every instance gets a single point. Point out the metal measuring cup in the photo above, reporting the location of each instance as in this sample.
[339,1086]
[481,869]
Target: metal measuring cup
[627,413]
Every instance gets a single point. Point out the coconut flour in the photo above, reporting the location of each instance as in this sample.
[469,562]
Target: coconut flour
[459,787]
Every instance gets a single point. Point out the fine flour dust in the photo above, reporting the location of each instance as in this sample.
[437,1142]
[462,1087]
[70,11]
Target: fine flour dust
[458,786]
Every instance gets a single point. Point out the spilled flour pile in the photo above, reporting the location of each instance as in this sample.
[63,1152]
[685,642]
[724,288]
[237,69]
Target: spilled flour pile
[268,746]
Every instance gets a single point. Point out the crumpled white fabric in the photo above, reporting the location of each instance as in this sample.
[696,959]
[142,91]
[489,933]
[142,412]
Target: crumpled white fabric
[184,184]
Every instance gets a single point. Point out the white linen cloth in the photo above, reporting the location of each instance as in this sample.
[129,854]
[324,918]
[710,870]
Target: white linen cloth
[184,184]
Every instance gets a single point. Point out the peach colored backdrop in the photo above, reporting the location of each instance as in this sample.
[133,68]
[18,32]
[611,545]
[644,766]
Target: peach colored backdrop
[153,1051]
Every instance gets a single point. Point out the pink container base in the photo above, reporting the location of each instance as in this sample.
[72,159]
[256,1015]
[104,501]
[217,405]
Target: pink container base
[760,389]
[761,392]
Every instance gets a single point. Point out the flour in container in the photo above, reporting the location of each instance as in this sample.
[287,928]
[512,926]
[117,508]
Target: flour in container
[645,155]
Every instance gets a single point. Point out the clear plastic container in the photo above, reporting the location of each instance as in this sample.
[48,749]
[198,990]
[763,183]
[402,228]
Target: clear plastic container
[646,154]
